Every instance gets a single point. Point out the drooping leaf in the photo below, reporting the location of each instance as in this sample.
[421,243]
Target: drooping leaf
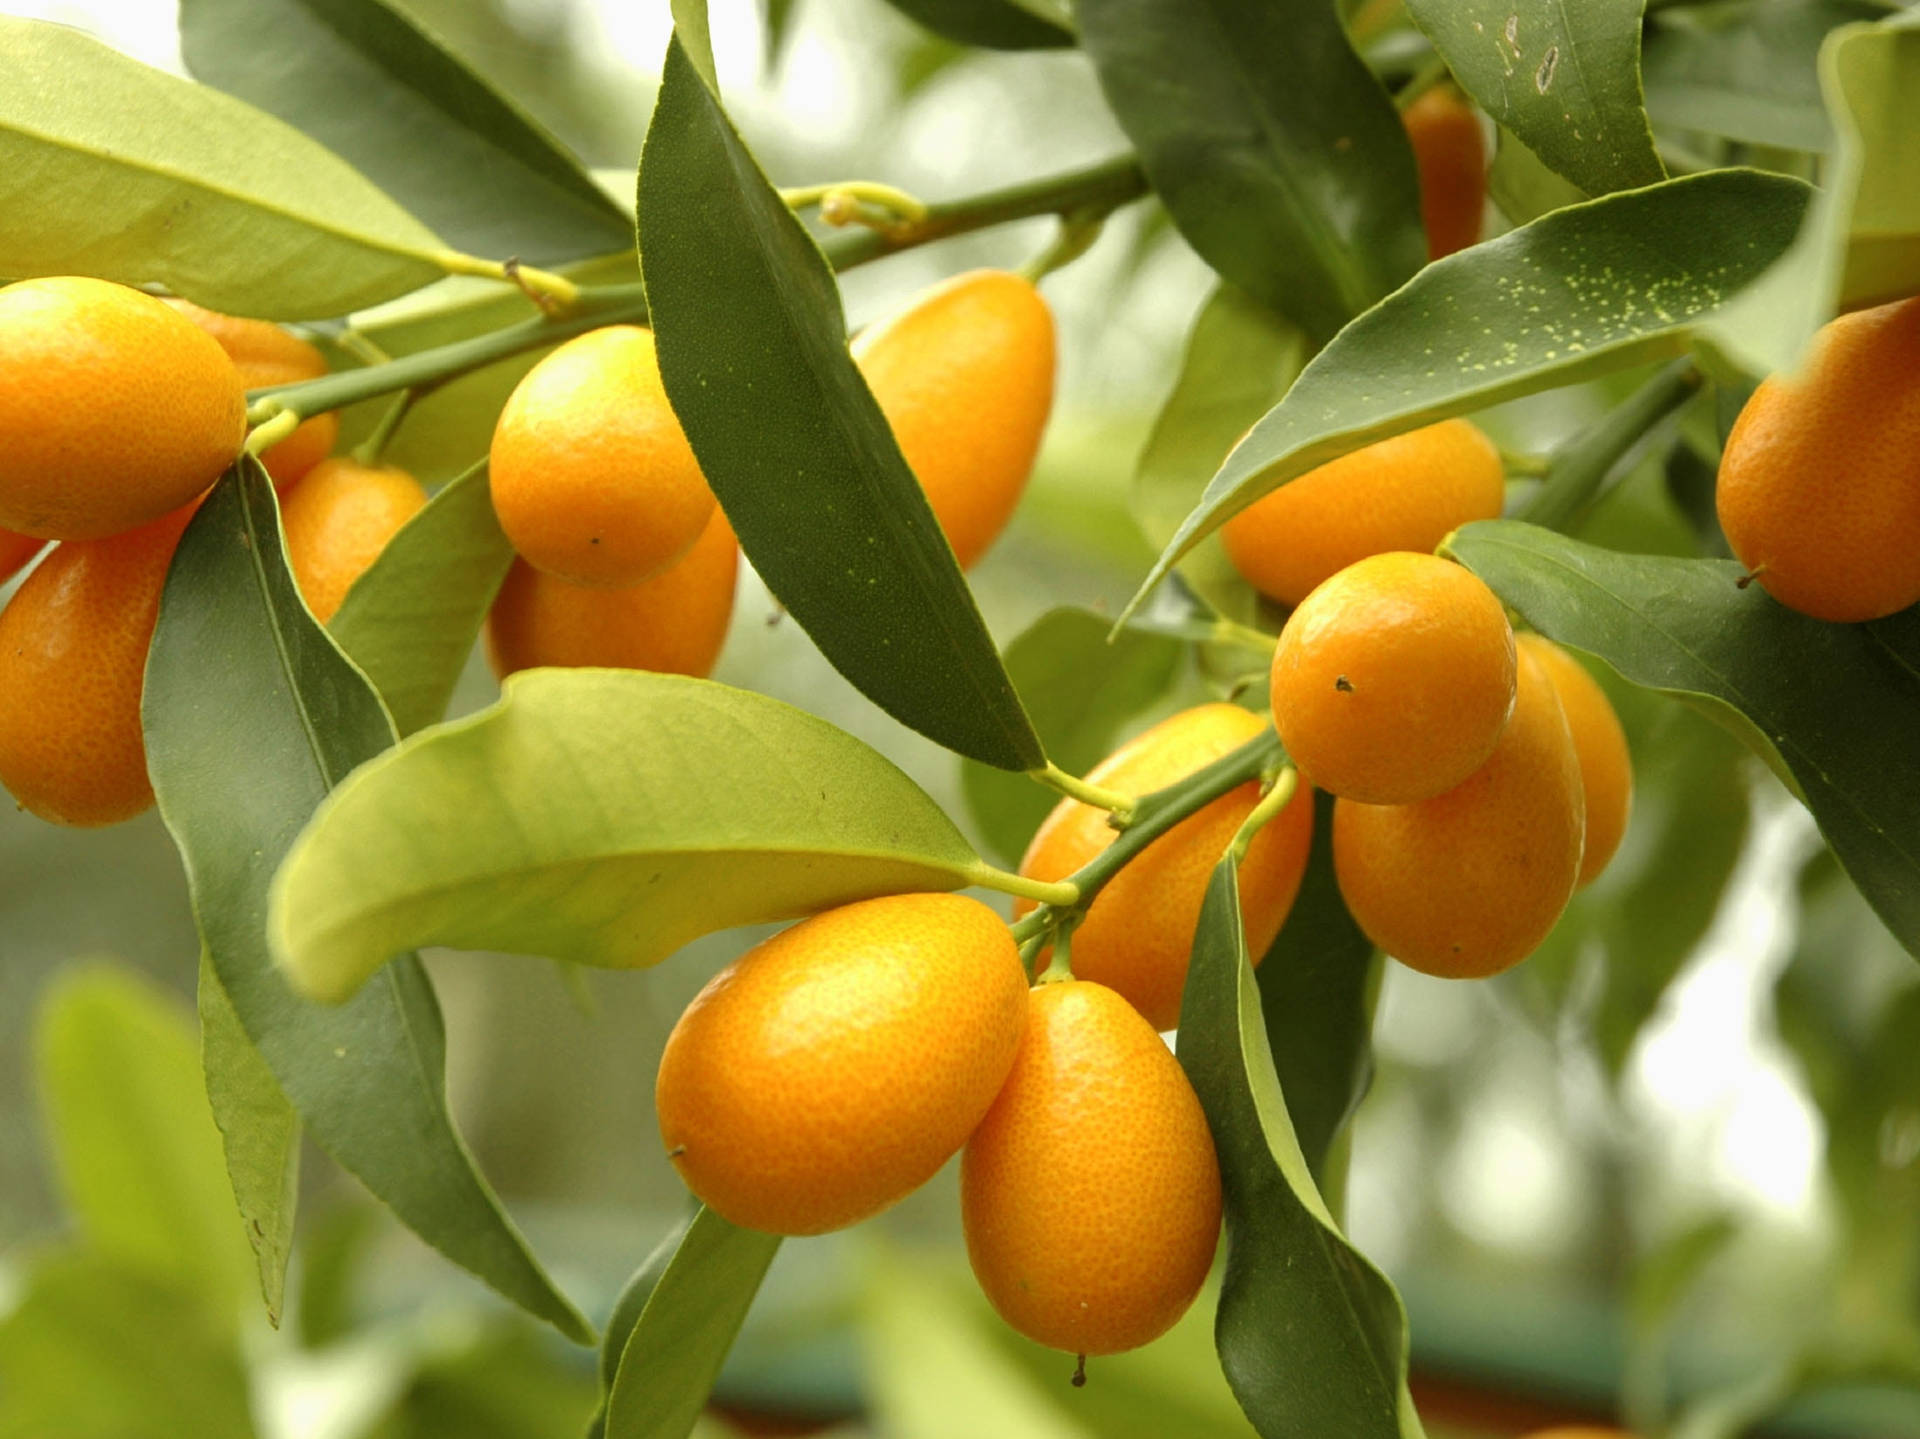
[1614,283]
[996,24]
[1826,702]
[409,622]
[1312,1337]
[605,817]
[377,88]
[1564,78]
[1080,690]
[753,352]
[1277,153]
[251,716]
[179,185]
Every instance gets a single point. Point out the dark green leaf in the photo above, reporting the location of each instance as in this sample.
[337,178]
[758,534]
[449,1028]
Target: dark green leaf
[410,620]
[1563,77]
[1604,286]
[627,1310]
[1825,700]
[251,716]
[753,352]
[996,24]
[374,86]
[675,1350]
[1279,156]
[1520,183]
[1080,690]
[1312,1337]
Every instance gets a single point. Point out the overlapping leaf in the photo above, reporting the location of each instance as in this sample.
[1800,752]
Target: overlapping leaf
[997,24]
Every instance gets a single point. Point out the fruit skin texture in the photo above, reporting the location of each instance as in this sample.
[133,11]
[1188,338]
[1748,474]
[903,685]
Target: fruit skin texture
[1393,680]
[266,355]
[1090,1194]
[1404,493]
[114,409]
[338,520]
[832,1069]
[674,623]
[1468,884]
[15,551]
[1138,932]
[1819,488]
[1606,765]
[592,478]
[73,659]
[964,376]
[1451,155]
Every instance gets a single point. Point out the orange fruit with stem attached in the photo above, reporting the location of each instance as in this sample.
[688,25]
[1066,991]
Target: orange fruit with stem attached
[73,659]
[674,623]
[964,376]
[1450,152]
[1404,493]
[266,355]
[338,520]
[114,409]
[1393,680]
[832,1069]
[1819,486]
[1138,932]
[592,477]
[15,551]
[1468,883]
[1090,1193]
[1606,765]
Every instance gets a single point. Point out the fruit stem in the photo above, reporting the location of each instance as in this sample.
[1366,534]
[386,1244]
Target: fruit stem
[265,436]
[859,202]
[1060,894]
[1075,237]
[1053,777]
[368,452]
[554,294]
[1577,472]
[1278,796]
[1060,965]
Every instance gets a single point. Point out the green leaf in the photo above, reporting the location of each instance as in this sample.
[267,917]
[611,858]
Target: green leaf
[996,24]
[605,817]
[409,622]
[676,1349]
[1318,983]
[627,1310]
[378,89]
[1277,153]
[753,351]
[1827,700]
[1592,288]
[1239,361]
[179,185]
[1563,77]
[251,716]
[259,1131]
[1520,183]
[1080,690]
[134,1144]
[1312,1337]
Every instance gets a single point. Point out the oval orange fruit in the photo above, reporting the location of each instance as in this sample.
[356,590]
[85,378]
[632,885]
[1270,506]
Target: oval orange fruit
[1606,764]
[266,355]
[1450,153]
[338,520]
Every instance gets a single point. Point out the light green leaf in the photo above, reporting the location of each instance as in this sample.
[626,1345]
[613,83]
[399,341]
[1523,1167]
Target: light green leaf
[601,816]
[1523,187]
[179,185]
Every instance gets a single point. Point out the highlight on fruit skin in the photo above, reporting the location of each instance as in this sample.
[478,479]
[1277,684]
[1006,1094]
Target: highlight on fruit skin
[1606,764]
[1450,152]
[1137,935]
[1090,1193]
[1468,883]
[592,478]
[1819,484]
[964,375]
[266,355]
[1407,492]
[114,409]
[673,623]
[338,520]
[832,1069]
[1393,680]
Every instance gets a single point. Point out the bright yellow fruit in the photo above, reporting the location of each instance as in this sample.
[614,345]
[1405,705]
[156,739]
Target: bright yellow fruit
[73,657]
[1468,884]
[1404,493]
[1090,1194]
[674,623]
[1451,153]
[832,1069]
[266,355]
[15,551]
[1393,680]
[1819,488]
[1606,765]
[338,520]
[114,409]
[1138,932]
[964,376]
[592,477]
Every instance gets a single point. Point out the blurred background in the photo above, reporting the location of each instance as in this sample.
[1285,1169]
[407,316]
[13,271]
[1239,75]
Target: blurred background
[1627,1166]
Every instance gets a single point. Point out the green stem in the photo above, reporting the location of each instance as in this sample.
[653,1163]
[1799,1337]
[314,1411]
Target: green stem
[1053,777]
[1050,892]
[1060,965]
[368,452]
[1278,796]
[265,436]
[1075,237]
[1578,472]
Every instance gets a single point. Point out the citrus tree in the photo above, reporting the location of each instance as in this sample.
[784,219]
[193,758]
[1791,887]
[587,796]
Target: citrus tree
[1385,627]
